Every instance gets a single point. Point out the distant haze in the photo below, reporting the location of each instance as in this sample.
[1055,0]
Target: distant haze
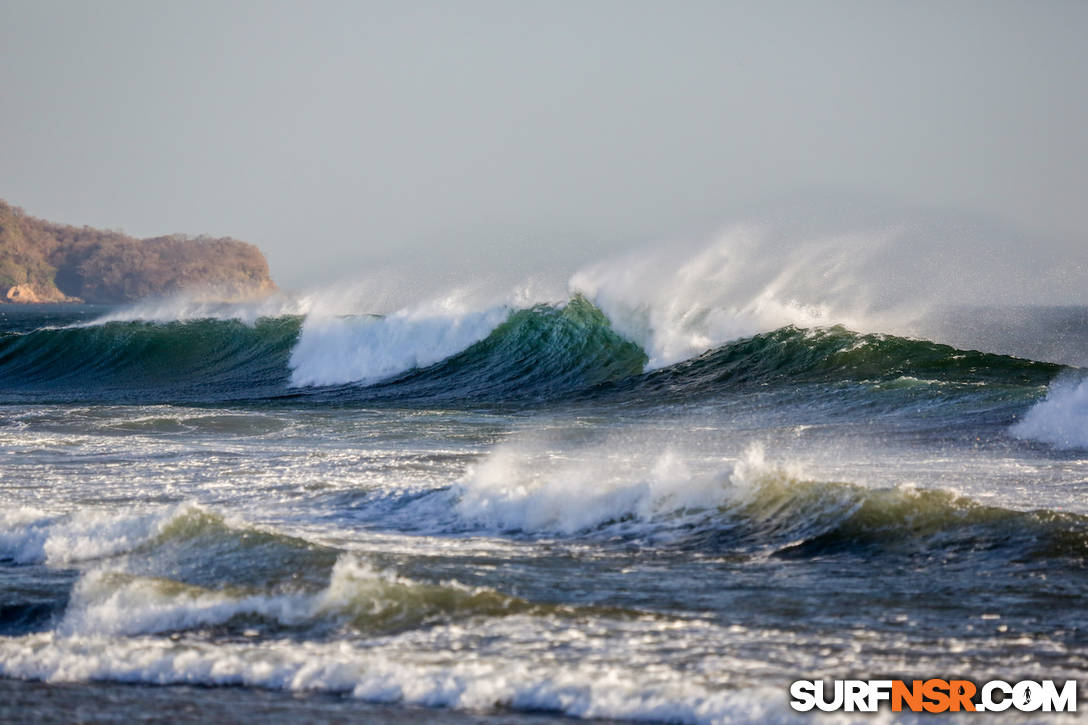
[510,137]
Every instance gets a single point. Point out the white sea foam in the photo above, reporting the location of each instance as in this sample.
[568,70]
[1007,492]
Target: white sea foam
[520,662]
[29,536]
[390,672]
[108,601]
[333,350]
[516,489]
[366,332]
[1060,419]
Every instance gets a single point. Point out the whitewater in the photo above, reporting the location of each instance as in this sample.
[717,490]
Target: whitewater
[658,490]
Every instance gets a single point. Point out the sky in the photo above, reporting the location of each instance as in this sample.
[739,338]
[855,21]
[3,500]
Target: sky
[346,136]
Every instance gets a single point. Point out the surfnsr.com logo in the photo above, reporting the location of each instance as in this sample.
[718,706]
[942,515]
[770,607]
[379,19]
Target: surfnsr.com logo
[934,695]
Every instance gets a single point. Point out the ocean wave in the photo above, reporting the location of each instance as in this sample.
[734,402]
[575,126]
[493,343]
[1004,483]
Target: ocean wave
[830,354]
[366,349]
[1060,419]
[540,352]
[181,567]
[357,596]
[187,529]
[30,536]
[752,507]
[127,361]
[656,498]
[759,302]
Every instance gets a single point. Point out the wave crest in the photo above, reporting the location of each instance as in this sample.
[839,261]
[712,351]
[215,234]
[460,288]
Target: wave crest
[28,536]
[753,507]
[357,596]
[368,348]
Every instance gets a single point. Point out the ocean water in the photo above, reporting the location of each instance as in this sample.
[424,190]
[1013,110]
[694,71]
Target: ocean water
[527,512]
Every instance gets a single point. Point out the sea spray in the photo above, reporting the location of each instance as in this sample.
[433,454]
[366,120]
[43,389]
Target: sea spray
[681,303]
[513,489]
[1061,418]
[366,349]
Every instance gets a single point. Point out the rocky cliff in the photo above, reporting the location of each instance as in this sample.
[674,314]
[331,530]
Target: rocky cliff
[45,262]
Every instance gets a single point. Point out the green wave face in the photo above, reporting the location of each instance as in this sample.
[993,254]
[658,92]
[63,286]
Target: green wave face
[540,353]
[794,355]
[140,361]
[800,519]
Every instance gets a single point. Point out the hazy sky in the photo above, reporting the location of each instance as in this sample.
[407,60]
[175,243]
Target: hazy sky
[343,135]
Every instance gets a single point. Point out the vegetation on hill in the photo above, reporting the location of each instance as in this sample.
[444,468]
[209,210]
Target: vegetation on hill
[45,262]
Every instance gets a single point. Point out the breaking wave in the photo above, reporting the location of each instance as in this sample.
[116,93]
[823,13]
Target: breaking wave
[357,597]
[180,595]
[184,567]
[500,353]
[125,361]
[1060,419]
[752,507]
